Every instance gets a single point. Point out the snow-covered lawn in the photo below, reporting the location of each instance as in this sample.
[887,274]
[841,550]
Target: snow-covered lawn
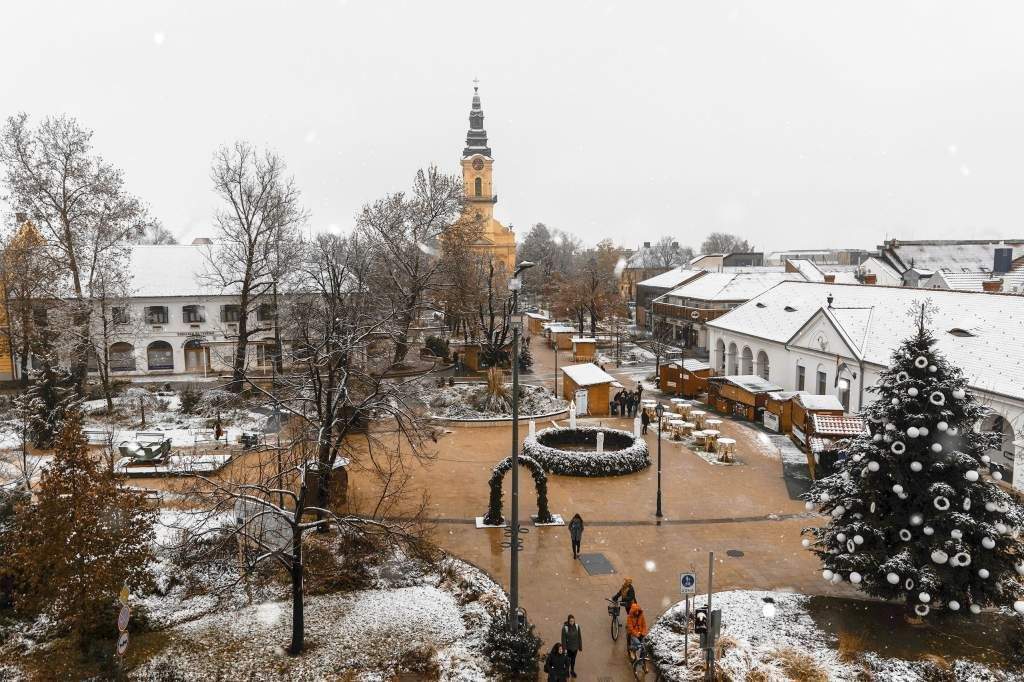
[465,401]
[766,634]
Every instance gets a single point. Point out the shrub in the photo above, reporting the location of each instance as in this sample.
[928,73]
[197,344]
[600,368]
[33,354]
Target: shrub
[437,346]
[190,400]
[421,659]
[513,656]
[799,665]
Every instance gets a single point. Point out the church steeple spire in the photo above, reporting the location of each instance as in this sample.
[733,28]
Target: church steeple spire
[476,137]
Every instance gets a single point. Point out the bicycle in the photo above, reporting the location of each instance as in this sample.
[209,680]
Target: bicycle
[613,611]
[644,661]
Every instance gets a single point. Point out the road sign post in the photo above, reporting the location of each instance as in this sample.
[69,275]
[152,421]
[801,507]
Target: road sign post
[687,586]
[123,616]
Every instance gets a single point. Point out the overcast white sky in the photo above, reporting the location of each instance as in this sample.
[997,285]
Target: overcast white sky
[794,124]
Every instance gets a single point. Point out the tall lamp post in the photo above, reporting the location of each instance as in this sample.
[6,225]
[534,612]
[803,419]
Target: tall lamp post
[659,411]
[515,545]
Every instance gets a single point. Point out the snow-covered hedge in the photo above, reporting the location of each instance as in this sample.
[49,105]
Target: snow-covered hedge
[623,452]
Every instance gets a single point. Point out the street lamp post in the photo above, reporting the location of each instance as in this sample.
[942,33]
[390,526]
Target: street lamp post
[514,285]
[659,411]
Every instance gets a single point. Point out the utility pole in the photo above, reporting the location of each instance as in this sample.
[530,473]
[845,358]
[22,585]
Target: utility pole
[712,634]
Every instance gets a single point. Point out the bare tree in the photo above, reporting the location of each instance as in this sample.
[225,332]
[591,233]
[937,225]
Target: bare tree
[599,283]
[667,253]
[257,233]
[78,202]
[723,242]
[157,234]
[407,234]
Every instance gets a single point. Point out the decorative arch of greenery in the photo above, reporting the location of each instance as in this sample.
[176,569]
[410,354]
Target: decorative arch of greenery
[540,479]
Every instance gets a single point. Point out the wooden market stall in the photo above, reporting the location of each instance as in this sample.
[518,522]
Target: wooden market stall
[559,335]
[687,378]
[584,349]
[778,411]
[742,395]
[825,437]
[805,406]
[535,322]
[589,387]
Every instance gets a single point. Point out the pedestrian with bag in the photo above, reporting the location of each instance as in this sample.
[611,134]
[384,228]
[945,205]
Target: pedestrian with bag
[572,640]
[576,534]
[557,664]
[645,420]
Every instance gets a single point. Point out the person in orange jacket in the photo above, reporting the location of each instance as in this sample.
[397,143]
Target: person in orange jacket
[636,626]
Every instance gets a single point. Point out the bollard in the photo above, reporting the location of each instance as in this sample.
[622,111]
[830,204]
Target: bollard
[600,441]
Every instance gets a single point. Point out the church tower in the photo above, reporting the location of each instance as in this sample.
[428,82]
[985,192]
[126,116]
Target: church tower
[497,240]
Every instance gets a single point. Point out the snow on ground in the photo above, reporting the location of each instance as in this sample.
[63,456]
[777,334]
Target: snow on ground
[760,629]
[461,400]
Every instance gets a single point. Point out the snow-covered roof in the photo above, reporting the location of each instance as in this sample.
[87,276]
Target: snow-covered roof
[587,374]
[671,279]
[1012,282]
[559,327]
[538,316]
[956,255]
[836,425]
[875,320]
[584,339]
[692,365]
[813,401]
[749,382]
[731,286]
[161,270]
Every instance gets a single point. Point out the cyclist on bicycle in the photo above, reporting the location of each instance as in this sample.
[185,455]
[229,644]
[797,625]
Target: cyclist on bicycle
[636,626]
[625,595]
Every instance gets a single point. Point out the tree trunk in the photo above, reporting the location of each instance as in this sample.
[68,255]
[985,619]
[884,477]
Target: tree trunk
[241,349]
[298,617]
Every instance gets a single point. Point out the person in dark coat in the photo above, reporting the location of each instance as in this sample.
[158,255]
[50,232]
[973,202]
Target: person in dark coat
[557,664]
[630,405]
[639,391]
[645,419]
[572,640]
[626,594]
[576,534]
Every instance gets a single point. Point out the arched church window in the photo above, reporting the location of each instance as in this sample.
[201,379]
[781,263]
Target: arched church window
[479,187]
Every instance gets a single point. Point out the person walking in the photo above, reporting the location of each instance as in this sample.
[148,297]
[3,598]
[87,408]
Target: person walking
[557,664]
[576,534]
[645,420]
[572,640]
[626,595]
[639,391]
[621,398]
[630,405]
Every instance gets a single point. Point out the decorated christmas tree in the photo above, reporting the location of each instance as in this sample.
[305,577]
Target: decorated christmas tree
[914,514]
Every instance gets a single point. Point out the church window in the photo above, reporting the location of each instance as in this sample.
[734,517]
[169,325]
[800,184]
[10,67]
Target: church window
[479,187]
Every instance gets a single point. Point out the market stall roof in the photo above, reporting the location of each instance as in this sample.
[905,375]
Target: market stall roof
[559,328]
[813,401]
[692,365]
[783,395]
[749,382]
[587,374]
[538,316]
[584,339]
[834,425]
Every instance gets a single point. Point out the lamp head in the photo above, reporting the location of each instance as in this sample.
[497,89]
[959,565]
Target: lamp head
[524,265]
[659,410]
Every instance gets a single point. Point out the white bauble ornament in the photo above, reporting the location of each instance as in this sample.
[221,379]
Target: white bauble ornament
[897,488]
[956,534]
[940,557]
[851,547]
[836,579]
[857,458]
[913,432]
[916,466]
[895,401]
[953,605]
[975,609]
[971,475]
[959,393]
[924,430]
[937,398]
[942,426]
[924,597]
[1002,508]
[890,427]
[920,362]
[936,447]
[988,543]
[941,503]
[912,392]
[858,539]
[990,506]
[825,497]
[841,537]
[893,578]
[809,506]
[933,368]
[997,475]
[806,543]
[916,519]
[985,459]
[1002,528]
[873,466]
[877,438]
[898,448]
[855,578]
[838,511]
[826,574]
[983,573]
[922,610]
[1018,606]
[903,496]
[905,535]
[953,430]
[928,530]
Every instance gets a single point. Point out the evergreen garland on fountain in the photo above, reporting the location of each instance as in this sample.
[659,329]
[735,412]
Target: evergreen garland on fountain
[912,516]
[540,480]
[553,447]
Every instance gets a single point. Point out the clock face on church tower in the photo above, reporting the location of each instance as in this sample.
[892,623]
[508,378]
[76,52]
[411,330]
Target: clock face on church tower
[478,163]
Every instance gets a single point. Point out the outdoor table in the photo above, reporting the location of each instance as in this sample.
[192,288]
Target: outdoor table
[713,423]
[699,437]
[676,426]
[687,428]
[698,417]
[710,436]
[725,448]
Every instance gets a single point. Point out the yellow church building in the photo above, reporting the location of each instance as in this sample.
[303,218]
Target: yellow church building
[496,240]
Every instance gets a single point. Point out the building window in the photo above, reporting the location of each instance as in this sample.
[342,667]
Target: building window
[156,314]
[821,382]
[801,377]
[265,353]
[39,315]
[193,313]
[230,313]
[122,357]
[762,365]
[265,313]
[479,187]
[119,314]
[159,355]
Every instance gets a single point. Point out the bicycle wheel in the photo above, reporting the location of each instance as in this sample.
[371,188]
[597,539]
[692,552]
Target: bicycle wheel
[640,668]
[615,629]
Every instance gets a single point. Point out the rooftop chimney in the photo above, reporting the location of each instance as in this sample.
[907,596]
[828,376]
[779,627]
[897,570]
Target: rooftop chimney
[992,285]
[830,278]
[20,218]
[1003,260]
[647,245]
[870,278]
[201,241]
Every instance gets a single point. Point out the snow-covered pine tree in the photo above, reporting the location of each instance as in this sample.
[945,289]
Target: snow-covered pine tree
[913,517]
[43,405]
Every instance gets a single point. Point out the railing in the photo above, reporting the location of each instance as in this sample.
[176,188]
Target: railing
[686,313]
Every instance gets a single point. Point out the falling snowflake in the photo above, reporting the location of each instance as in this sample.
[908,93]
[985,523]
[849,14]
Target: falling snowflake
[159,38]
